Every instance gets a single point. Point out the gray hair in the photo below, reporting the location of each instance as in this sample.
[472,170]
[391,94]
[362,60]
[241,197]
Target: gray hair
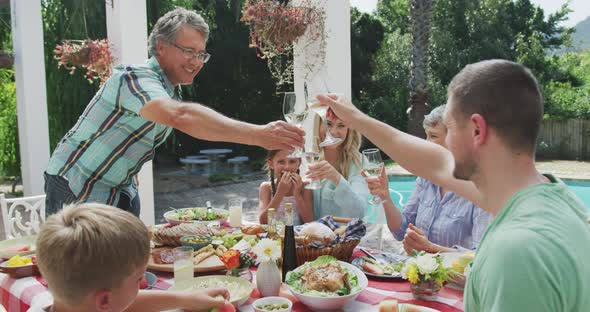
[168,25]
[434,117]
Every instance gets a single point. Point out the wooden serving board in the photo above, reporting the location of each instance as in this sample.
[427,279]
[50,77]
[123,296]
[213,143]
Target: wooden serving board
[213,263]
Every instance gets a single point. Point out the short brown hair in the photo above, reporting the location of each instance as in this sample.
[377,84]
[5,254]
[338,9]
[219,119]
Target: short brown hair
[87,247]
[506,94]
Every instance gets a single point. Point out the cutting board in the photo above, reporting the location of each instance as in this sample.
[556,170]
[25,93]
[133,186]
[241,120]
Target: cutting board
[210,264]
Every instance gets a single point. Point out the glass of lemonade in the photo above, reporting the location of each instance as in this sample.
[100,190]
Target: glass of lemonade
[235,212]
[183,263]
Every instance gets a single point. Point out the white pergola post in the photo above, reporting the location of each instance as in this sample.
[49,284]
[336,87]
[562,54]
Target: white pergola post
[31,96]
[127,33]
[336,72]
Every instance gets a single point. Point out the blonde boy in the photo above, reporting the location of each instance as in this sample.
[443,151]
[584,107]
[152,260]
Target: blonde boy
[94,256]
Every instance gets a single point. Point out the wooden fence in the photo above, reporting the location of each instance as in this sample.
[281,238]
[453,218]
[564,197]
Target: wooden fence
[564,139]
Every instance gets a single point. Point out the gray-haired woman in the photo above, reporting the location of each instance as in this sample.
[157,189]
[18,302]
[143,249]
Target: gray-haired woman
[136,109]
[434,219]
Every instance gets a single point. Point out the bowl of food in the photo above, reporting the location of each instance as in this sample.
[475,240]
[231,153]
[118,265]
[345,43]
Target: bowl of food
[239,289]
[18,266]
[309,285]
[195,241]
[195,215]
[274,304]
[22,246]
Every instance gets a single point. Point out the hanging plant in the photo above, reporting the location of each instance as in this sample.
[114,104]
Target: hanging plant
[92,55]
[275,27]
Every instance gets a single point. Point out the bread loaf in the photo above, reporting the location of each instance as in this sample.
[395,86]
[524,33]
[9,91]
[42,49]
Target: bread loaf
[170,236]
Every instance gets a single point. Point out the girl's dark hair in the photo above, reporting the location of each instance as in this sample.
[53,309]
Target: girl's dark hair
[271,173]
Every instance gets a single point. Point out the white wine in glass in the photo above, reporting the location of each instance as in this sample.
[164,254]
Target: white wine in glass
[295,114]
[312,158]
[372,166]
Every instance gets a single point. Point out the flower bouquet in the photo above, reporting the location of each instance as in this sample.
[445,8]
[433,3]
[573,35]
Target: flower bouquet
[92,55]
[237,264]
[427,274]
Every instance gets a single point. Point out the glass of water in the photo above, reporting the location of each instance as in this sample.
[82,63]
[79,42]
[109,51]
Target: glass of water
[235,212]
[183,263]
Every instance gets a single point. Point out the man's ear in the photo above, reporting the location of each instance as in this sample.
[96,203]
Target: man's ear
[102,300]
[479,129]
[160,47]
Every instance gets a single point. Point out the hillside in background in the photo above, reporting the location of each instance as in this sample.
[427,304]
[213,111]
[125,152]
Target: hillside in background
[580,37]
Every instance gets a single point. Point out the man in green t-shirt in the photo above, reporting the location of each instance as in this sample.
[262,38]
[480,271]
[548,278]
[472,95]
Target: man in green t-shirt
[533,256]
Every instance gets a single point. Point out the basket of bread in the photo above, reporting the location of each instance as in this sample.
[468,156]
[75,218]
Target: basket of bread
[327,237]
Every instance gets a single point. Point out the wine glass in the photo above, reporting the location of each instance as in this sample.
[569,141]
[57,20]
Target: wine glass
[295,114]
[322,111]
[373,165]
[312,156]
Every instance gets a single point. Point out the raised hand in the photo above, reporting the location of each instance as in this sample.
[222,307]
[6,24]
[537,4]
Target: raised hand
[323,170]
[342,107]
[280,135]
[378,186]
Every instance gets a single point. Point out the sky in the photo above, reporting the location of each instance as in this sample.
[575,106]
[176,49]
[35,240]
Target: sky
[581,8]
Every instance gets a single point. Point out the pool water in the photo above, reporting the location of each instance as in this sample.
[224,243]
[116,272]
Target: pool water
[401,187]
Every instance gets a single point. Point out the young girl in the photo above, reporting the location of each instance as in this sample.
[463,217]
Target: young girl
[284,185]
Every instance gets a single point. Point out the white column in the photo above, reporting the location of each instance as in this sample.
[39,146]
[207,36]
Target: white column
[336,72]
[31,97]
[127,32]
[335,75]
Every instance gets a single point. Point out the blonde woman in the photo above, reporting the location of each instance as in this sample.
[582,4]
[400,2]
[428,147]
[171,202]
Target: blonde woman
[344,192]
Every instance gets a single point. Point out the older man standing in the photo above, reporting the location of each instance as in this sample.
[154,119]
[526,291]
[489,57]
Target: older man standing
[136,109]
[533,256]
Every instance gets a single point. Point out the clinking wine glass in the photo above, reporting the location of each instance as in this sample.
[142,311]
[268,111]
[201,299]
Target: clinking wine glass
[312,156]
[322,111]
[295,114]
[373,165]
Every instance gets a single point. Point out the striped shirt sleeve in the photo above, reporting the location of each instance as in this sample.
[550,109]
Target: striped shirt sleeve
[138,87]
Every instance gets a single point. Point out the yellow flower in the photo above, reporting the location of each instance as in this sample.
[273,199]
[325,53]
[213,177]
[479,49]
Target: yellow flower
[413,274]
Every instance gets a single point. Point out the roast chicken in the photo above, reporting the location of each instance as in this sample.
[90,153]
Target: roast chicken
[329,277]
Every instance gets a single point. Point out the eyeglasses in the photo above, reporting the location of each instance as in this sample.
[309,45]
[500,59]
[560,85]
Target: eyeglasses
[190,54]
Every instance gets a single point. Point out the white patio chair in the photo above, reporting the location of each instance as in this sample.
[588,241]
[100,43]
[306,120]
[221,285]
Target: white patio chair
[13,211]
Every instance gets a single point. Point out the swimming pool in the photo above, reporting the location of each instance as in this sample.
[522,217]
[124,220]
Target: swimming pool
[401,188]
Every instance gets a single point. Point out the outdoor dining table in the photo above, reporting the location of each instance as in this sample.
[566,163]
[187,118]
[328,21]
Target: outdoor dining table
[18,295]
[214,154]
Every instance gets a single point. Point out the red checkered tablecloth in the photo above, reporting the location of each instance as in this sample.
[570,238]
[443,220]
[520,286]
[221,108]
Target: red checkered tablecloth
[19,294]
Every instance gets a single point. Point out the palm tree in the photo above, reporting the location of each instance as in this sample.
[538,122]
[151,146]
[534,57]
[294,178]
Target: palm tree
[420,13]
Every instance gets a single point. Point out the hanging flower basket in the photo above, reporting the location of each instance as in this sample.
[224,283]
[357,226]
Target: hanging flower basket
[276,26]
[92,55]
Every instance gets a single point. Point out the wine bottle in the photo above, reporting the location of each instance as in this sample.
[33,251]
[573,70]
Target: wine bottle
[271,224]
[289,249]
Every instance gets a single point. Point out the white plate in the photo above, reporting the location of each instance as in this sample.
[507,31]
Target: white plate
[8,247]
[406,307]
[332,303]
[213,281]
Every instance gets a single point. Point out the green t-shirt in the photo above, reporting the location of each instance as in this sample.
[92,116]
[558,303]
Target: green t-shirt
[534,256]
